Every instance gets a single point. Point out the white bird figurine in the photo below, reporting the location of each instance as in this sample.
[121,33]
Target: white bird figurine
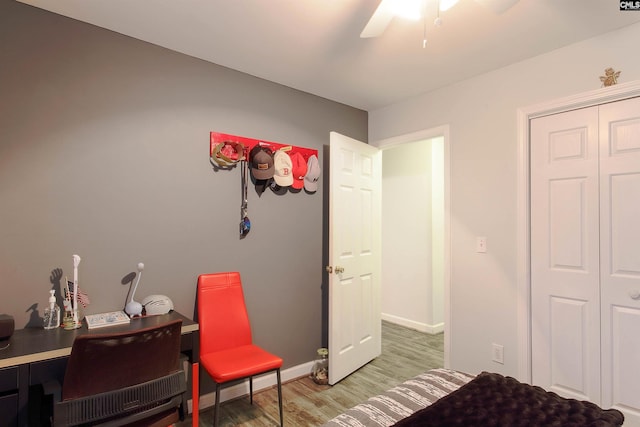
[134,308]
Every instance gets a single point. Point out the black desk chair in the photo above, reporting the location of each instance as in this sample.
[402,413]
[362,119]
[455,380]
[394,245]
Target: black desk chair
[124,378]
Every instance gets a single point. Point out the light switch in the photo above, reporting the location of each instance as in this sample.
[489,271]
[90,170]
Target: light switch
[481,244]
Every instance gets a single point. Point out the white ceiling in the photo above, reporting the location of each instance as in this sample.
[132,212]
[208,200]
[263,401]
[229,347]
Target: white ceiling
[315,45]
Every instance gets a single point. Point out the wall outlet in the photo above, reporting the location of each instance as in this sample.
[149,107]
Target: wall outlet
[498,353]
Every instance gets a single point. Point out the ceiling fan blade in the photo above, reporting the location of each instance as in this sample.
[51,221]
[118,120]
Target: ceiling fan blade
[498,6]
[379,20]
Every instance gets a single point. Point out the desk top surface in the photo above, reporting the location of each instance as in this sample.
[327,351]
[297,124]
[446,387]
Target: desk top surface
[35,344]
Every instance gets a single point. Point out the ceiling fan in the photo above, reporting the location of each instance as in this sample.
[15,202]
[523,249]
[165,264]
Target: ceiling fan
[412,9]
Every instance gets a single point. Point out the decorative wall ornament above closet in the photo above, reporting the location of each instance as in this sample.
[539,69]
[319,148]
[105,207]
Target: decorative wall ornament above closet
[610,77]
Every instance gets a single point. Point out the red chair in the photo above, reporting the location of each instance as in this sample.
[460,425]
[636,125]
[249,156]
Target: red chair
[227,351]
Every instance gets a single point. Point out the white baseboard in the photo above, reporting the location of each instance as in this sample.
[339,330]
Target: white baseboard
[418,326]
[259,383]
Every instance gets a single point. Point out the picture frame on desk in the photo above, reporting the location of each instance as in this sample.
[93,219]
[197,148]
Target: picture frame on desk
[103,320]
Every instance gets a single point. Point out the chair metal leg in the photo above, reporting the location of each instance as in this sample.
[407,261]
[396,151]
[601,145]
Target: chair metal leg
[280,397]
[216,416]
[217,407]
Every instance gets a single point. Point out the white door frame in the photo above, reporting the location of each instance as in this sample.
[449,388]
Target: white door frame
[525,114]
[437,132]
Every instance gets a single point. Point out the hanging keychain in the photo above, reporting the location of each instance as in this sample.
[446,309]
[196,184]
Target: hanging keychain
[245,223]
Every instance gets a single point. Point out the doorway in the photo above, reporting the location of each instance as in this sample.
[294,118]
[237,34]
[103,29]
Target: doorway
[415,232]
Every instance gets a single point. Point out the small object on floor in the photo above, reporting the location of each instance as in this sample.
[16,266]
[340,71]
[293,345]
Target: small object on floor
[320,371]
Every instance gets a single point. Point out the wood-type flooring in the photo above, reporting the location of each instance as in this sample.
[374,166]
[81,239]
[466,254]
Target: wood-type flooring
[405,353]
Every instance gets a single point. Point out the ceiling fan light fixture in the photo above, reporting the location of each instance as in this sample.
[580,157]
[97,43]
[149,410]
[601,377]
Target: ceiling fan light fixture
[388,9]
[408,9]
[498,6]
[447,4]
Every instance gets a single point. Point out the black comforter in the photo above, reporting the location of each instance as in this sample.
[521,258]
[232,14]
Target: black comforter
[495,400]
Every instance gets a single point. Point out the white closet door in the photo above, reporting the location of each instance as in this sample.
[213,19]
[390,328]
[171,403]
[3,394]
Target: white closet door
[620,256]
[564,254]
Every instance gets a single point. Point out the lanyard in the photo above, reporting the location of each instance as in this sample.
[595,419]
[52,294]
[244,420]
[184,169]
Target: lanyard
[245,224]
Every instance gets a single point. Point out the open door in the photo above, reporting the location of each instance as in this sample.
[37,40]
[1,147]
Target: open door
[354,255]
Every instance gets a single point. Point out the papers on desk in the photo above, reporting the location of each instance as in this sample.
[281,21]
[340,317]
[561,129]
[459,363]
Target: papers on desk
[106,319]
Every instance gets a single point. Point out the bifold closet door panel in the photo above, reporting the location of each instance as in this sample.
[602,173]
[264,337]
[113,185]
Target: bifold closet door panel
[620,255]
[565,293]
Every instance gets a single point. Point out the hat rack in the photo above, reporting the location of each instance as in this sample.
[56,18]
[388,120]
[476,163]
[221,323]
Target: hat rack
[249,143]
[242,147]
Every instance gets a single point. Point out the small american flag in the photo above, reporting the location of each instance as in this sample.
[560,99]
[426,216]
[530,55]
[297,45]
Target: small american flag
[82,297]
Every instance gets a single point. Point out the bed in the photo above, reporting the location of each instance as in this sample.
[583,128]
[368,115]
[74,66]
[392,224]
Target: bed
[444,397]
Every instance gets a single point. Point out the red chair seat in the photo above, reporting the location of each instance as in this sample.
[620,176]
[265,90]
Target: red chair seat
[239,362]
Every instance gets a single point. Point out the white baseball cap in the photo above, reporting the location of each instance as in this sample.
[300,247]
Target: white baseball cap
[283,175]
[313,174]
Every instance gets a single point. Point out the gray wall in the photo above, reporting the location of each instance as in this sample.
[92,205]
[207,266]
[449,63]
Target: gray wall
[104,144]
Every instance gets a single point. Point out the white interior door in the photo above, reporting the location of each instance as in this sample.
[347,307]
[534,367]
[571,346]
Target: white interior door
[354,255]
[620,256]
[565,302]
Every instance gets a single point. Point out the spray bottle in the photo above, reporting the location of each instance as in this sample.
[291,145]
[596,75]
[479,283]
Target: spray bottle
[52,313]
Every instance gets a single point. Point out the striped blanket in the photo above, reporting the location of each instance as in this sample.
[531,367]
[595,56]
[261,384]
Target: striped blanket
[403,400]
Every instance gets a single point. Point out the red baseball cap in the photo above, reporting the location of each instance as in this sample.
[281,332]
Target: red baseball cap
[299,169]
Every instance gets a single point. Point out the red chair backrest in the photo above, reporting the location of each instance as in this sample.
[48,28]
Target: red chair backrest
[222,314]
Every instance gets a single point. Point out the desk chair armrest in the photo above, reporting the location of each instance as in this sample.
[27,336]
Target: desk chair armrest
[137,402]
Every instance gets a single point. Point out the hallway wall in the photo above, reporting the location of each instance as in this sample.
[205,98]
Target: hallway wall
[412,235]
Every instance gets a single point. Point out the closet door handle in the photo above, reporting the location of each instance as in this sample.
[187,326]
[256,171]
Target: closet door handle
[635,294]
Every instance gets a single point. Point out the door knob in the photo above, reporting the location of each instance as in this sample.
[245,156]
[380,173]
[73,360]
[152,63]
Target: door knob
[635,294]
[328,269]
[339,269]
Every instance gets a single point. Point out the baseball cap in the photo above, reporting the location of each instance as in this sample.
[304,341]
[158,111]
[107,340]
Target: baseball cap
[282,174]
[313,174]
[261,162]
[299,170]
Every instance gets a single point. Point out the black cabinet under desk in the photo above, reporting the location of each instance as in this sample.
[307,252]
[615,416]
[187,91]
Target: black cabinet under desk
[9,396]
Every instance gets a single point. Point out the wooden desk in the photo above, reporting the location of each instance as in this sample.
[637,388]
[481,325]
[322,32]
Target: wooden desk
[36,355]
